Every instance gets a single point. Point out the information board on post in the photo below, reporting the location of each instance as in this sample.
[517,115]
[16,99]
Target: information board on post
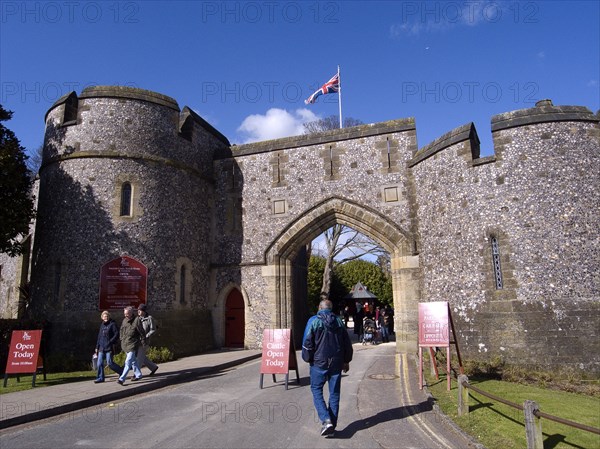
[278,354]
[435,324]
[123,282]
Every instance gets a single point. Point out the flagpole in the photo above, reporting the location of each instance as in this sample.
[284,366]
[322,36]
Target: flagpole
[340,95]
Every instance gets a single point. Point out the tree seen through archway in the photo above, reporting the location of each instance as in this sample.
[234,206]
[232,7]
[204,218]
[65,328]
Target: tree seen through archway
[340,258]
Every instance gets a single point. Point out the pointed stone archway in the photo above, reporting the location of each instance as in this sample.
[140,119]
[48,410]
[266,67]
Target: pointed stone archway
[282,254]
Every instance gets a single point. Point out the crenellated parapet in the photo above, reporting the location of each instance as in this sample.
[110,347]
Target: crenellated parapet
[124,122]
[543,113]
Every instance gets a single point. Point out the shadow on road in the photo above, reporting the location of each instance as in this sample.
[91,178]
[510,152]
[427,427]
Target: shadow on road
[384,416]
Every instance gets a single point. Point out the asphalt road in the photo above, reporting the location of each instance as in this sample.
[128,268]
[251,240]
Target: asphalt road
[228,410]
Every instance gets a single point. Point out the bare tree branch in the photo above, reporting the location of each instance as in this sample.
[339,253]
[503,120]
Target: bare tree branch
[327,123]
[340,239]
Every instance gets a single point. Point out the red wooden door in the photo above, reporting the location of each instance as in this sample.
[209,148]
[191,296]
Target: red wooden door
[235,323]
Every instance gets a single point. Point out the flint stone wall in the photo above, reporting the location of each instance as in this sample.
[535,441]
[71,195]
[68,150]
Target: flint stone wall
[221,211]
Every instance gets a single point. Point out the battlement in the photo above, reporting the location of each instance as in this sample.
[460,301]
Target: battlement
[543,112]
[334,135]
[457,135]
[187,119]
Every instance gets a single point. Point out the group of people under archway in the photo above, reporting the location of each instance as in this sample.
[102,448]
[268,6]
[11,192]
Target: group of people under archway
[372,324]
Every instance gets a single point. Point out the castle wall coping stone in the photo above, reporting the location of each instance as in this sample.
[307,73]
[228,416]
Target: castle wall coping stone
[542,114]
[336,135]
[187,111]
[60,101]
[131,93]
[457,135]
[483,161]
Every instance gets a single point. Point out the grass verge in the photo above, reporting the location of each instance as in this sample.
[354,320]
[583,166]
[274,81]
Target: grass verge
[499,426]
[157,355]
[24,382]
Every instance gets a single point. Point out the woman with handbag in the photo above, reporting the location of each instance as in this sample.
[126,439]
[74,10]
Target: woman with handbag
[108,336]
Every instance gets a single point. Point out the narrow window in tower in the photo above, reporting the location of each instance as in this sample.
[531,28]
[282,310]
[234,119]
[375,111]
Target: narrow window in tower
[389,159]
[330,160]
[496,263]
[278,168]
[126,192]
[182,285]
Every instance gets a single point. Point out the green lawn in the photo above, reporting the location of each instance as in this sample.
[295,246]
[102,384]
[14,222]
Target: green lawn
[24,382]
[499,426]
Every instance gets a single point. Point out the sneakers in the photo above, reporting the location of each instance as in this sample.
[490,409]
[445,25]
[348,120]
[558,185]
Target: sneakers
[133,379]
[153,371]
[327,429]
[121,382]
[97,381]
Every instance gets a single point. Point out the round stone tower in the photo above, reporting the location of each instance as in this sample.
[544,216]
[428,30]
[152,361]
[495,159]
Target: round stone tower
[124,173]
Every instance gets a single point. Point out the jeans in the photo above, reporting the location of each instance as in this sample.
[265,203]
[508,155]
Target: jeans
[130,362]
[142,360]
[109,362]
[318,377]
[385,336]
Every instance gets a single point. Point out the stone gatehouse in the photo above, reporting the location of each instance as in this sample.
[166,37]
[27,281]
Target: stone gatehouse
[510,240]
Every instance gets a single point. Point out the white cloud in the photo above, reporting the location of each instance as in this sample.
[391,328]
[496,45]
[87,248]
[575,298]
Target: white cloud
[274,124]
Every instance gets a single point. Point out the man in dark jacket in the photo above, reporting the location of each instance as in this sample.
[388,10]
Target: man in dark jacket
[132,336]
[328,349]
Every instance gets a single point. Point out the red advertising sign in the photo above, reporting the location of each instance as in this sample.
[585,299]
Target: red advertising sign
[278,355]
[23,352]
[434,324]
[123,282]
[276,352]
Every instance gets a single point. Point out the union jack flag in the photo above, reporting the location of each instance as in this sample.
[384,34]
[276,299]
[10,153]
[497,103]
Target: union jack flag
[330,87]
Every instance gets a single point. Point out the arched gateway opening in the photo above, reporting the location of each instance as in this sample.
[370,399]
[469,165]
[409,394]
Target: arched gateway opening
[287,264]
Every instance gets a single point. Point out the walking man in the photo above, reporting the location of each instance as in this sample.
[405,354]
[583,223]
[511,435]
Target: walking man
[328,349]
[149,328]
[132,336]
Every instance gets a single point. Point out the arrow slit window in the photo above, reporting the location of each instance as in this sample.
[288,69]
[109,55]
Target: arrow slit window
[126,192]
[496,263]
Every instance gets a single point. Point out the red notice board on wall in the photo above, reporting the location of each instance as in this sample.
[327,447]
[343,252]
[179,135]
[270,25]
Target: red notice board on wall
[123,282]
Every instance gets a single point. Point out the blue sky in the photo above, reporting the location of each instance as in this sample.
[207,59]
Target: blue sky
[246,67]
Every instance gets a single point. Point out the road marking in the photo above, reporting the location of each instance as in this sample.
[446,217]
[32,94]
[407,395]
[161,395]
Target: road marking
[402,360]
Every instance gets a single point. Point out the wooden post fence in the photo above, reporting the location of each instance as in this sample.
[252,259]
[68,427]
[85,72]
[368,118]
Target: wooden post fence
[533,415]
